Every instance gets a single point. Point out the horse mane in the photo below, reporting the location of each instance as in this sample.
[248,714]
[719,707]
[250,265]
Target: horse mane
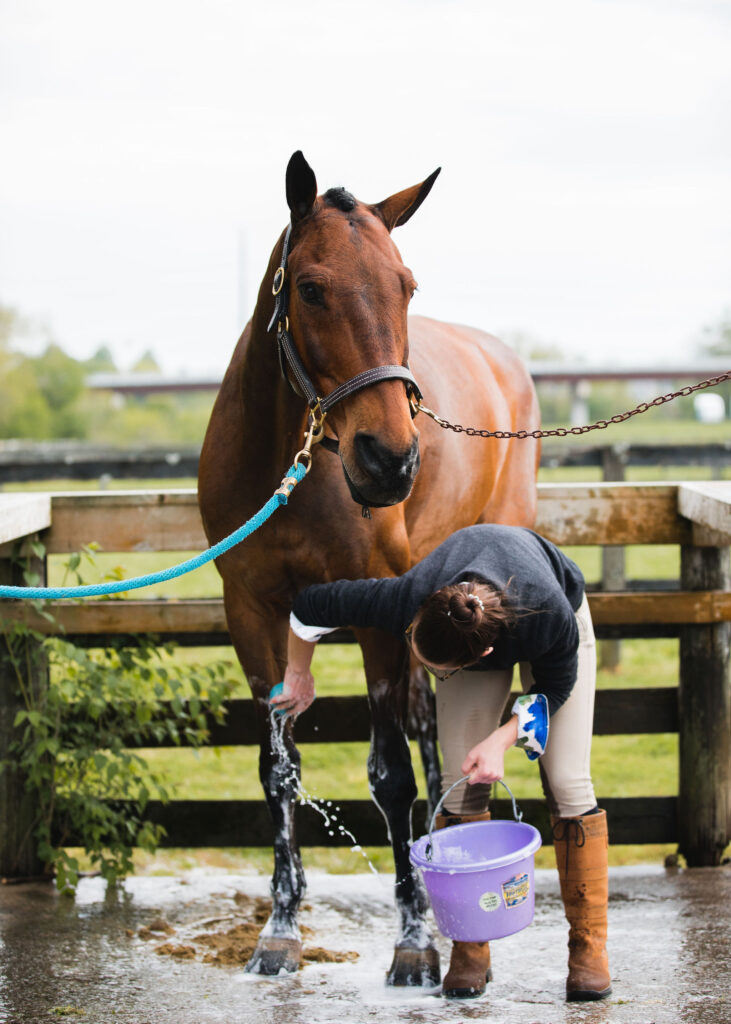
[340,198]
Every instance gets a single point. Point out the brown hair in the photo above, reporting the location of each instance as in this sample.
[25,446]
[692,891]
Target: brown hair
[457,623]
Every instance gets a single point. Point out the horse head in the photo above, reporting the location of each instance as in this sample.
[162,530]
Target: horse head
[348,293]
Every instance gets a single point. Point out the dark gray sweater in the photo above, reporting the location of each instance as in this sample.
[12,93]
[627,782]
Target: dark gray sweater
[543,581]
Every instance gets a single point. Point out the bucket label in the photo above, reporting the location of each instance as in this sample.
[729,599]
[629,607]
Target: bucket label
[516,890]
[489,901]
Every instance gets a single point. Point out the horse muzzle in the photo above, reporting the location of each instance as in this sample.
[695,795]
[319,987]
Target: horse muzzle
[377,476]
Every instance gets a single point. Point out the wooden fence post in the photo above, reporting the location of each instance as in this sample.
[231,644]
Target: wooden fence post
[18,858]
[614,458]
[704,718]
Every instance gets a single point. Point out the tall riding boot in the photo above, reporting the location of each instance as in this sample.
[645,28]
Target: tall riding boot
[469,967]
[581,855]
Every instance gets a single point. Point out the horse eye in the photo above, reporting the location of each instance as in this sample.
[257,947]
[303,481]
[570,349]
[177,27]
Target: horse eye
[311,293]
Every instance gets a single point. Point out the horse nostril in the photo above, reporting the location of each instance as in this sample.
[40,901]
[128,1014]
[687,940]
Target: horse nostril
[380,462]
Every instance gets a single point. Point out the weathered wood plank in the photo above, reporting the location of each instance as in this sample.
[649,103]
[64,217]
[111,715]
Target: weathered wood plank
[707,504]
[217,823]
[348,720]
[23,514]
[169,520]
[161,617]
[639,631]
[206,615]
[18,857]
[682,606]
[22,461]
[126,521]
[716,455]
[611,513]
[705,718]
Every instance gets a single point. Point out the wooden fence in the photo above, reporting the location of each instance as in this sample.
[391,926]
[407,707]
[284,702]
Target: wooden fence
[25,461]
[696,516]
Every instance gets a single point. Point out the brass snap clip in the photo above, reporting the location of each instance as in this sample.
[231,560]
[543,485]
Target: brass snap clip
[314,435]
[415,404]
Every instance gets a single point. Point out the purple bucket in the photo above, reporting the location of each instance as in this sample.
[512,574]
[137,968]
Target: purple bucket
[479,877]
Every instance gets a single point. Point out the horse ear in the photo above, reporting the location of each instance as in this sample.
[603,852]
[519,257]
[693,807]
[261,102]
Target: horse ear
[301,186]
[397,209]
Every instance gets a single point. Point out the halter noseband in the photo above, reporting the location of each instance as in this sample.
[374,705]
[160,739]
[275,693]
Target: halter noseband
[300,380]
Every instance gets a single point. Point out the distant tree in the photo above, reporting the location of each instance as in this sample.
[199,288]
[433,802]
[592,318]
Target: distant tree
[12,327]
[101,362]
[554,398]
[23,408]
[60,378]
[716,338]
[146,363]
[534,349]
[715,342]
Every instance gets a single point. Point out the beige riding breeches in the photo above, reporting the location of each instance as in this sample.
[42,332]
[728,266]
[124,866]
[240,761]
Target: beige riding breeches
[470,706]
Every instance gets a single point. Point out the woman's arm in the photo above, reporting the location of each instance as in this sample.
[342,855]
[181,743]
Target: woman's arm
[299,684]
[486,762]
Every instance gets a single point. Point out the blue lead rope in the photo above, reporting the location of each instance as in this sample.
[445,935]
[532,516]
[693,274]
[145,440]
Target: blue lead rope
[294,475]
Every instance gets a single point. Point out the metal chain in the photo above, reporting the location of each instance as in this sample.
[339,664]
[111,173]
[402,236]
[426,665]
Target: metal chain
[565,431]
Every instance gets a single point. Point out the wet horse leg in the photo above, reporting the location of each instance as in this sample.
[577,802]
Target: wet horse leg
[393,787]
[279,946]
[422,726]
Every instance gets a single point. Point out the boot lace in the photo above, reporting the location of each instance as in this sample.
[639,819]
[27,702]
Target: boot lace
[567,829]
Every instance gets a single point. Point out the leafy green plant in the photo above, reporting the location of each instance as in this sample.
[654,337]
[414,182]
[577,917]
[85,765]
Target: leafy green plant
[79,730]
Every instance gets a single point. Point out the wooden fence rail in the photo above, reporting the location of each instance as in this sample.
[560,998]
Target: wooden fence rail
[24,462]
[695,516]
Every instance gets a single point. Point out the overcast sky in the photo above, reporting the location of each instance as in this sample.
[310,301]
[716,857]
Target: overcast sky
[585,147]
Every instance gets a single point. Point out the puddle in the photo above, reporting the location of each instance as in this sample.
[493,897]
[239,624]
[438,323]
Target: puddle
[89,963]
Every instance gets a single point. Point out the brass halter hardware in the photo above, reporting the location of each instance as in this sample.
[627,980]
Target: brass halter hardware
[278,283]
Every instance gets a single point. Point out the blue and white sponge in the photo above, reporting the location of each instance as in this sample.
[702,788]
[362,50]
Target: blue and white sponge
[532,712]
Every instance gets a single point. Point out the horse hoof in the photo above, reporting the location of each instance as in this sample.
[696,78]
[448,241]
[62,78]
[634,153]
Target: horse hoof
[275,956]
[417,967]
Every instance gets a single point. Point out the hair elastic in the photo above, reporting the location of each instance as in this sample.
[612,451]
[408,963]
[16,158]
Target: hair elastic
[475,597]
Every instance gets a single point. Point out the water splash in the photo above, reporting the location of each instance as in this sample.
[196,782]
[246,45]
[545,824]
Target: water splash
[325,808]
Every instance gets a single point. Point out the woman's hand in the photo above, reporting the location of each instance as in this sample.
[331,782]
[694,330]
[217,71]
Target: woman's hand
[486,762]
[297,693]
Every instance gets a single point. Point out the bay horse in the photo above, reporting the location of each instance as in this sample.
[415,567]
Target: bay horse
[338,292]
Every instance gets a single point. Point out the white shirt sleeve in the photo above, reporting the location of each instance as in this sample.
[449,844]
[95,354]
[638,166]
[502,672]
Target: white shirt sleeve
[309,633]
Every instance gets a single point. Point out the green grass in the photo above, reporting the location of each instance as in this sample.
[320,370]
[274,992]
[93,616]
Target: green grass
[622,765]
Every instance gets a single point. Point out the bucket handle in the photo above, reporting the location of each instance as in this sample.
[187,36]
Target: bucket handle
[517,813]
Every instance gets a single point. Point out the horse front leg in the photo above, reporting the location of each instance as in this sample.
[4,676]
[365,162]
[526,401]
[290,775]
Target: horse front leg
[262,654]
[422,726]
[393,788]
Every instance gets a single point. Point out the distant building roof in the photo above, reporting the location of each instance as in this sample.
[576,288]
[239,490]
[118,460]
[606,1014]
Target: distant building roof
[147,383]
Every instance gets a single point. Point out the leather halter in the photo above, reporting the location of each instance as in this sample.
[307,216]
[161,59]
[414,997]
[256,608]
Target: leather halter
[299,379]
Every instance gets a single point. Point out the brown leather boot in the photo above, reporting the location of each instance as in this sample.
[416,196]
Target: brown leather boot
[581,855]
[469,966]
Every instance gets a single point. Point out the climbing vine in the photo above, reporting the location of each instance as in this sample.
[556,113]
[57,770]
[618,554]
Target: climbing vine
[84,715]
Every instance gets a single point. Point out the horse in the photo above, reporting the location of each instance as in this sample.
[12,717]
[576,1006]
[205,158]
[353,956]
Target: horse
[330,349]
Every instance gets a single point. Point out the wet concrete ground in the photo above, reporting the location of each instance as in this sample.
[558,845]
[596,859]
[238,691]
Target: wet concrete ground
[669,949]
